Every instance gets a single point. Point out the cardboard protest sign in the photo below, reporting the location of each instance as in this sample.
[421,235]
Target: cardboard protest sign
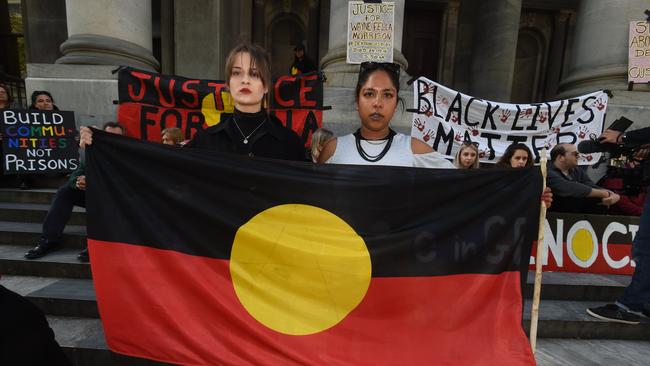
[38,142]
[638,68]
[445,118]
[370,32]
[151,102]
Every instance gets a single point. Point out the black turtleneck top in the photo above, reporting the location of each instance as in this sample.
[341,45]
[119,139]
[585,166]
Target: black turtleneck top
[264,133]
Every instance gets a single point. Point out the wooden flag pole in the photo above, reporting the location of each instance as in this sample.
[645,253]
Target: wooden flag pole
[534,314]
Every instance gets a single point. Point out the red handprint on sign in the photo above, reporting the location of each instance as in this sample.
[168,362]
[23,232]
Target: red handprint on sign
[418,124]
[600,104]
[428,135]
[505,114]
[542,117]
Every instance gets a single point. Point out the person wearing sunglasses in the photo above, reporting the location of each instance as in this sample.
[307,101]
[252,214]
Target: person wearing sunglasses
[573,191]
[375,143]
[467,156]
[517,155]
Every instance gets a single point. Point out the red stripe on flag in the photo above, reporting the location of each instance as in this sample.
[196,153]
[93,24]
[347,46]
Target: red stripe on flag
[178,308]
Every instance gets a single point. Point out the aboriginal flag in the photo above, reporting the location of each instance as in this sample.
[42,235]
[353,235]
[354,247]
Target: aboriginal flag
[202,258]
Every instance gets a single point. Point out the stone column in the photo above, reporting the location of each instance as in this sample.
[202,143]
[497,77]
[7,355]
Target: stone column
[338,72]
[555,57]
[259,23]
[44,27]
[599,57]
[109,32]
[313,24]
[449,39]
[495,49]
[600,46]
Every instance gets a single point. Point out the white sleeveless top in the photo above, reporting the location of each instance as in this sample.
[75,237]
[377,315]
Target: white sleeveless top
[399,154]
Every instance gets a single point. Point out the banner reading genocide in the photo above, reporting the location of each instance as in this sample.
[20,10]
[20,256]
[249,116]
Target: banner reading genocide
[37,142]
[588,243]
[445,118]
[227,269]
[151,102]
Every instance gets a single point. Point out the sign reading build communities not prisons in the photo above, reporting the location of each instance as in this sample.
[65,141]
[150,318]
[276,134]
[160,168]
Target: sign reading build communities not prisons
[370,32]
[36,142]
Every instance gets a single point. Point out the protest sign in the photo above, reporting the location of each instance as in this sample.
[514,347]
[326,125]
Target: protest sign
[37,142]
[445,118]
[588,243]
[298,102]
[370,32]
[151,102]
[638,69]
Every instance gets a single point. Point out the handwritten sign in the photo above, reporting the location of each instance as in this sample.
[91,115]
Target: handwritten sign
[638,68]
[37,142]
[370,32]
[445,118]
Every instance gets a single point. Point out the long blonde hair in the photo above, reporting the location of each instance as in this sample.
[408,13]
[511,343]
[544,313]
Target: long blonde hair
[465,146]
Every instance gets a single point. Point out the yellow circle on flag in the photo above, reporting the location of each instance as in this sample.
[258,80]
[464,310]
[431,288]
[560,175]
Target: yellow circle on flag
[582,244]
[299,269]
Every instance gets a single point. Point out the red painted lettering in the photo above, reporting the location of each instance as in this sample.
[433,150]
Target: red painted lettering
[141,77]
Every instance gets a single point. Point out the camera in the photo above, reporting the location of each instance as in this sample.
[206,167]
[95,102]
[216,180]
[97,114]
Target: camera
[623,162]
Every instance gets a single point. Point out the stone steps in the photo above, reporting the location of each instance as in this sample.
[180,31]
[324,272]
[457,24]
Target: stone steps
[27,234]
[61,263]
[591,352]
[35,213]
[13,195]
[557,319]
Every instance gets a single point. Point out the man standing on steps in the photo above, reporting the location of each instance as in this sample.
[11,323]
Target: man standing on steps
[70,195]
[634,304]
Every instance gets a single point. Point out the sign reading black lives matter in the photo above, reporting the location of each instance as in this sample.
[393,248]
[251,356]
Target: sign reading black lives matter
[37,142]
[370,32]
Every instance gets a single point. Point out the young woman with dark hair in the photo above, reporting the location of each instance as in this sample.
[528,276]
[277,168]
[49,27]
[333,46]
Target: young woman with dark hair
[42,100]
[376,95]
[516,155]
[5,97]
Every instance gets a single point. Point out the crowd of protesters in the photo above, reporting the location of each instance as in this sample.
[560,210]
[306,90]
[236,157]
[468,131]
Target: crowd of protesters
[251,130]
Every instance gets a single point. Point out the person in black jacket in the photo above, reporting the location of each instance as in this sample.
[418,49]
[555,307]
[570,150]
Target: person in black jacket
[250,130]
[634,304]
[302,64]
[26,337]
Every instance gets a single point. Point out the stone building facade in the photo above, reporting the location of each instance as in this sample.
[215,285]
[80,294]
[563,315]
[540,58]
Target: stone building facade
[505,50]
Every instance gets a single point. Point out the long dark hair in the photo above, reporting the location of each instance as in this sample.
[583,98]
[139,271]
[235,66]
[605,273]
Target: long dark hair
[368,68]
[504,162]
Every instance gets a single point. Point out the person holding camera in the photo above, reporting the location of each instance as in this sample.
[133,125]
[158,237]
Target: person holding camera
[635,301]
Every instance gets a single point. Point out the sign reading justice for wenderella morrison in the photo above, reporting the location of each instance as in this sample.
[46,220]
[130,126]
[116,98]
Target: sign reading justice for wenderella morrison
[36,142]
[638,68]
[370,32]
